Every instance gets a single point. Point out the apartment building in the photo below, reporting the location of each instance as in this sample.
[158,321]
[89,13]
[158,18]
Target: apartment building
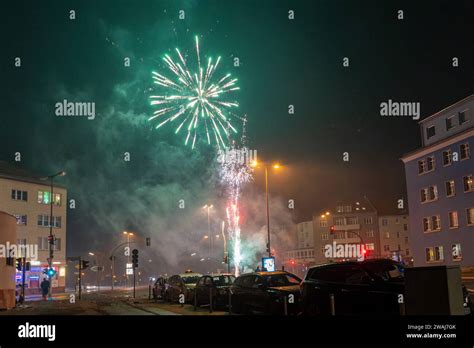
[349,223]
[304,252]
[440,186]
[28,198]
[394,238]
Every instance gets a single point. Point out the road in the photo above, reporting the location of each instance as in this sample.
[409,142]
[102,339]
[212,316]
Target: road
[117,302]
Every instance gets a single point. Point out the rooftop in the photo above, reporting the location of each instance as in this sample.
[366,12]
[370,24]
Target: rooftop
[12,172]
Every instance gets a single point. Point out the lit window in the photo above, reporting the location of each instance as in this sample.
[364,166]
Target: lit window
[450,188]
[324,236]
[430,163]
[387,235]
[470,216]
[453,219]
[464,151]
[370,233]
[44,197]
[468,183]
[447,157]
[21,219]
[434,254]
[323,223]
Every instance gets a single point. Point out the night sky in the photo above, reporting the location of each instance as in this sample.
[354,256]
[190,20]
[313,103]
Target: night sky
[282,62]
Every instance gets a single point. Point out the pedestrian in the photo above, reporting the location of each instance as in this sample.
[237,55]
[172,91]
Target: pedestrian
[45,288]
[257,269]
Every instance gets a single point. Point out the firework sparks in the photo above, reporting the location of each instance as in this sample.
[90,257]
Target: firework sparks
[195,100]
[235,173]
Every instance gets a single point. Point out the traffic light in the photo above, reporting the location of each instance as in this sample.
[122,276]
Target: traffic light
[50,272]
[292,262]
[85,264]
[332,229]
[19,263]
[135,258]
[51,239]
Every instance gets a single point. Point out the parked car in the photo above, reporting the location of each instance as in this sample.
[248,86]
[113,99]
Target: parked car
[181,284]
[159,288]
[367,287]
[217,284]
[266,293]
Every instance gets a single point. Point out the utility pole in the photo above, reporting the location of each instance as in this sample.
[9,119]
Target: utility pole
[23,279]
[268,213]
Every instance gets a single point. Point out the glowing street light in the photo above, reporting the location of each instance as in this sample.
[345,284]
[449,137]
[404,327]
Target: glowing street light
[256,164]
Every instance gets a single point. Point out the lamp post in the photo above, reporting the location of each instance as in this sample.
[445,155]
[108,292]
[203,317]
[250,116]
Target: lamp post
[97,280]
[255,164]
[51,237]
[128,234]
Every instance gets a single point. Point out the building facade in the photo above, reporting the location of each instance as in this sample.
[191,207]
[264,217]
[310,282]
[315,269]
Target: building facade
[28,199]
[440,188]
[394,237]
[352,223]
[304,244]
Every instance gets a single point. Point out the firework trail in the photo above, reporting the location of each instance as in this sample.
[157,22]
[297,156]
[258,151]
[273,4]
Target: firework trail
[235,172]
[195,99]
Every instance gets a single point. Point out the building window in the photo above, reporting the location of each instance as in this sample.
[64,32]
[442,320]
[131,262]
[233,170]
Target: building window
[339,235]
[386,248]
[353,220]
[447,157]
[456,252]
[449,123]
[468,183]
[462,117]
[21,219]
[430,132]
[450,188]
[43,243]
[431,224]
[434,254]
[398,234]
[323,223]
[324,236]
[45,196]
[429,194]
[464,151]
[453,219]
[430,163]
[368,220]
[370,233]
[407,252]
[405,227]
[384,222]
[370,246]
[387,235]
[43,221]
[406,240]
[339,221]
[339,209]
[19,195]
[470,216]
[421,166]
[397,221]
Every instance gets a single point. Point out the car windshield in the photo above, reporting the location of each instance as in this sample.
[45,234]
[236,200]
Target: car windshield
[387,271]
[223,280]
[191,279]
[282,280]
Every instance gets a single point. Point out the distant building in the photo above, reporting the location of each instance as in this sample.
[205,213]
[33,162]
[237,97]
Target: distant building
[28,199]
[354,224]
[303,253]
[394,237]
[440,187]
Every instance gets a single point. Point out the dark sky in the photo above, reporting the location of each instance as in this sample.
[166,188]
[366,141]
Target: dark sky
[283,62]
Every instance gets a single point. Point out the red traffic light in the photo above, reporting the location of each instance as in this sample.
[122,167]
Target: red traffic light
[332,229]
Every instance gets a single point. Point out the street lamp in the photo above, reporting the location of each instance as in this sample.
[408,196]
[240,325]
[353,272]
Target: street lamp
[51,237]
[97,270]
[256,164]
